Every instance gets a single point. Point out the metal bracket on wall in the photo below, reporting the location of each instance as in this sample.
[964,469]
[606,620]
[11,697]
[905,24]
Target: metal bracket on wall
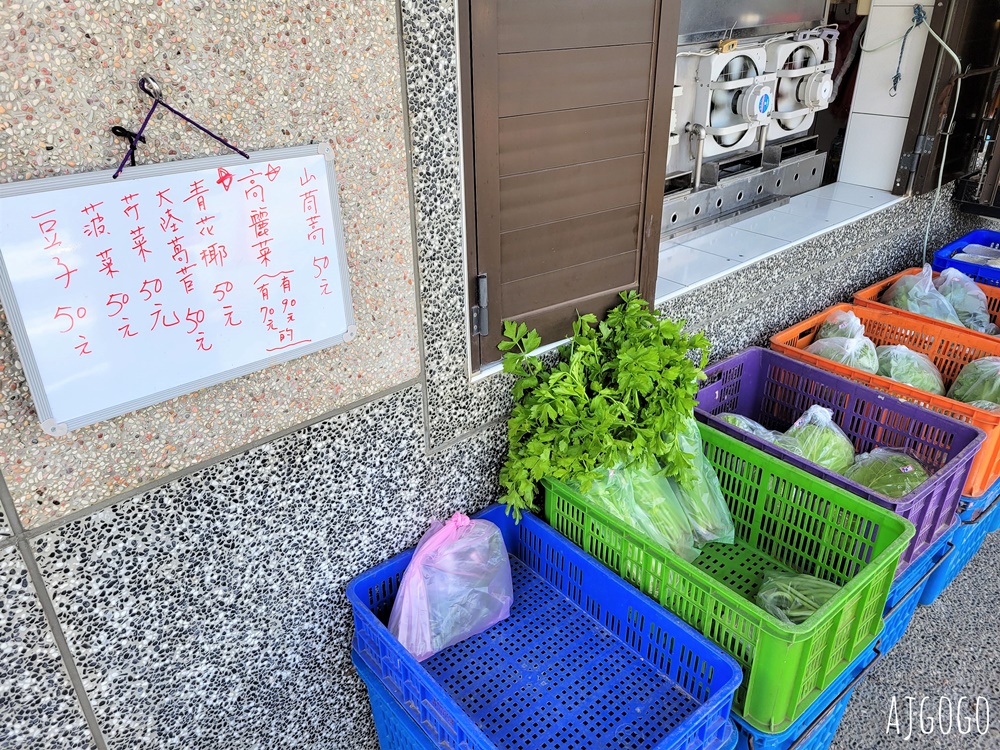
[909,160]
[481,311]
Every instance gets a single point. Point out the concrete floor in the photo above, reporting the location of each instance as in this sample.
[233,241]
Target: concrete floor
[952,648]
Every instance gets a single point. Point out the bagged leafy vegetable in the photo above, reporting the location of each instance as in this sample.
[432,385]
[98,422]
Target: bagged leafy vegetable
[644,500]
[457,585]
[615,396]
[988,405]
[907,366]
[968,300]
[917,294]
[700,493]
[856,352]
[794,597]
[745,423]
[789,442]
[978,381]
[841,324]
[822,441]
[889,472]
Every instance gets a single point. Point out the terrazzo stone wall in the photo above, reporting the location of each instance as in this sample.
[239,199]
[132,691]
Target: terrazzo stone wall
[264,75]
[209,611]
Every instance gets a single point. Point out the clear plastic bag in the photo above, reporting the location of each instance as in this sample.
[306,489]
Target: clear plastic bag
[968,300]
[745,423]
[916,293]
[457,584]
[822,440]
[982,251]
[856,352]
[978,381]
[904,365]
[644,500]
[841,324]
[888,472]
[701,495]
[987,405]
[979,255]
[789,442]
[794,597]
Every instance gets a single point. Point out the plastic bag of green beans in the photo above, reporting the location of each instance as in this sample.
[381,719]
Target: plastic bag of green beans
[793,597]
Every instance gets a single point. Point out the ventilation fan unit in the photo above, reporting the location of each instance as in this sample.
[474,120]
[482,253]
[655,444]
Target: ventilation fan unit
[804,84]
[734,98]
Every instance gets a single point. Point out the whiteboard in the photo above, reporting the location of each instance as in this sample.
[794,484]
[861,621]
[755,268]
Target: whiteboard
[125,293]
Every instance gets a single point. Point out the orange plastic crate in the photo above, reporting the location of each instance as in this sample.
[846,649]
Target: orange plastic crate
[949,347]
[869,297]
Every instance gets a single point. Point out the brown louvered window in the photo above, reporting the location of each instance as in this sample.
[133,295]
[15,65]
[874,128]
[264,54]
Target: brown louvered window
[568,103]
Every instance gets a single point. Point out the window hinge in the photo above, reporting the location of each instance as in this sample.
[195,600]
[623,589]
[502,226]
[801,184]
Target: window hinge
[910,159]
[481,310]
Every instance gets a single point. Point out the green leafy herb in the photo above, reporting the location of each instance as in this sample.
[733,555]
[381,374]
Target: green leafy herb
[617,395]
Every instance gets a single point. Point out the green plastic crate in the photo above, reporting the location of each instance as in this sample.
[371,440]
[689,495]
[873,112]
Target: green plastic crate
[788,520]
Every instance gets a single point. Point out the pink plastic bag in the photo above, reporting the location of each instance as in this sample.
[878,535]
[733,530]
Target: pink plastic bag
[456,585]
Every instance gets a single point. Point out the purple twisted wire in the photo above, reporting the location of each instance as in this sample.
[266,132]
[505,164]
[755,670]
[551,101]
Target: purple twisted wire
[158,101]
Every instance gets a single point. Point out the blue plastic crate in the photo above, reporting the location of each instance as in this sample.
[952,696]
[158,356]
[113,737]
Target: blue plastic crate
[731,739]
[967,538]
[983,274]
[815,729]
[904,596]
[396,728]
[971,508]
[583,660]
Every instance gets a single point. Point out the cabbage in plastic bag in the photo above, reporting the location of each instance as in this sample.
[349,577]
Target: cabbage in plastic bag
[744,423]
[968,300]
[854,352]
[643,499]
[916,293]
[888,472]
[987,405]
[794,597]
[789,442]
[841,324]
[701,495]
[978,381]
[904,365]
[822,441]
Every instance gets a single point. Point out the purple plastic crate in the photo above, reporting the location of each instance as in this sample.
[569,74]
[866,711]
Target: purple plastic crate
[775,390]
